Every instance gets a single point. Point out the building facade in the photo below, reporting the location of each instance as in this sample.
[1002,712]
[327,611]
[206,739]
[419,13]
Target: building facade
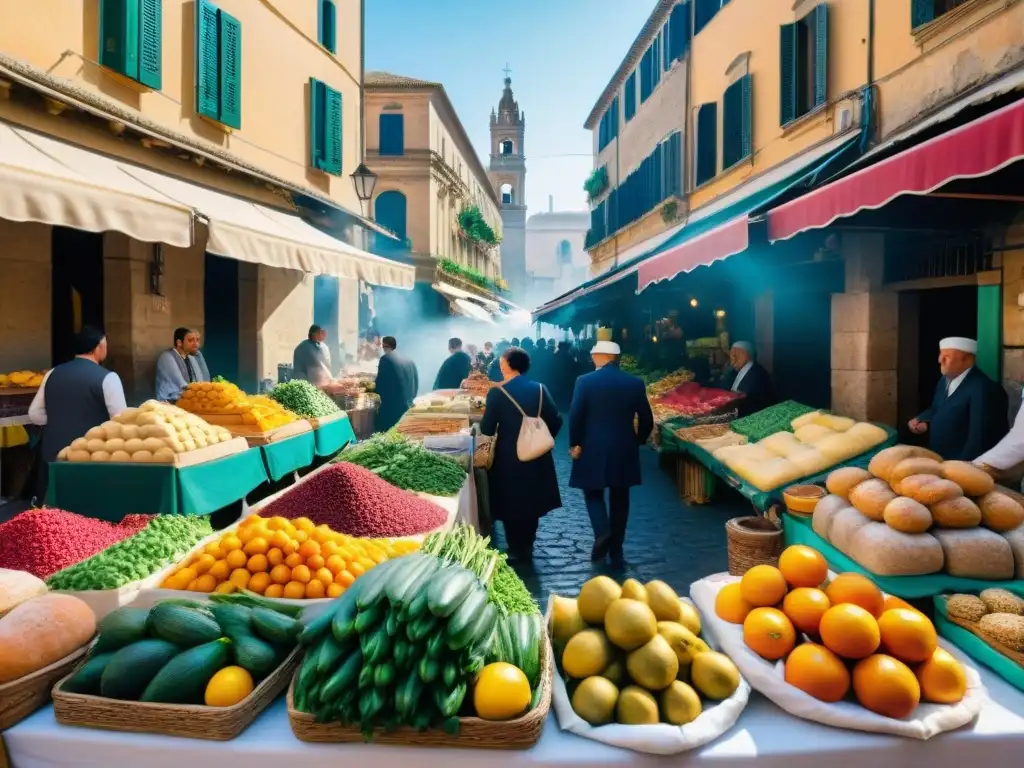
[507,172]
[556,260]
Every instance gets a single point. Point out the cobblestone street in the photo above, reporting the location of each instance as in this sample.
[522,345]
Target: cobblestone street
[665,539]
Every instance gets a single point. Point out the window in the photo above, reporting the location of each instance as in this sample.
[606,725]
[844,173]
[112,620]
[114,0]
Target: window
[609,126]
[707,142]
[131,39]
[629,96]
[327,25]
[678,32]
[924,11]
[803,63]
[389,212]
[704,11]
[646,75]
[655,62]
[325,112]
[392,134]
[507,194]
[565,253]
[736,120]
[218,65]
[506,148]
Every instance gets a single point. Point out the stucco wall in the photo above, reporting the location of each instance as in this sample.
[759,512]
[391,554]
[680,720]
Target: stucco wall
[25,307]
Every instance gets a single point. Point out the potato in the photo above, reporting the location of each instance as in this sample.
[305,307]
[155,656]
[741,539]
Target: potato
[114,444]
[95,444]
[120,456]
[127,416]
[164,456]
[96,433]
[100,456]
[114,430]
[142,457]
[129,432]
[154,444]
[156,430]
[133,445]
[79,445]
[79,456]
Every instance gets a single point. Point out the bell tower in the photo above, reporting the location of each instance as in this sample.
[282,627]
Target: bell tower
[507,172]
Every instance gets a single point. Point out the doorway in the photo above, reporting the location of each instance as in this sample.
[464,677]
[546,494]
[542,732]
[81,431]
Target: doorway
[942,312]
[76,288]
[220,310]
[325,314]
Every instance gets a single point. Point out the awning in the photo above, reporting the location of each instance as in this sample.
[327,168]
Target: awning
[51,182]
[976,149]
[700,250]
[474,311]
[457,293]
[256,233]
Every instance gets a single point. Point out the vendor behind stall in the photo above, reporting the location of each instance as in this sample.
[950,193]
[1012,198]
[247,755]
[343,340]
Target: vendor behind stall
[748,376]
[180,366]
[312,360]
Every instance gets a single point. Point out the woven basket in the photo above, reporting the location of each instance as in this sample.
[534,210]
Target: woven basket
[474,733]
[188,720]
[752,541]
[20,698]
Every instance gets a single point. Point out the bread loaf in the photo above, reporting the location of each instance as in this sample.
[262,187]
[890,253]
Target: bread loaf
[835,423]
[866,436]
[958,512]
[803,421]
[1016,539]
[845,524]
[887,552]
[824,512]
[781,443]
[842,481]
[810,461]
[812,433]
[929,489]
[871,498]
[974,481]
[907,515]
[840,447]
[883,462]
[913,466]
[977,553]
[1000,512]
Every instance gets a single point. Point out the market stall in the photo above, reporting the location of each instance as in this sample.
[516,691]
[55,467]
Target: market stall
[355,394]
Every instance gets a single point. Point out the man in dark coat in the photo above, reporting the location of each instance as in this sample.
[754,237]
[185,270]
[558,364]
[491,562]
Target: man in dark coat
[605,446]
[455,369]
[969,412]
[397,384]
[748,376]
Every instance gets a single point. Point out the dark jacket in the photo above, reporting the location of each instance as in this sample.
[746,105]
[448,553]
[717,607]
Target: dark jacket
[969,422]
[756,385]
[494,371]
[601,424]
[398,381]
[453,371]
[518,489]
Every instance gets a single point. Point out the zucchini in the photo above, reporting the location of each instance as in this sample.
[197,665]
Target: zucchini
[384,674]
[182,626]
[343,620]
[120,628]
[313,697]
[134,666]
[233,619]
[422,719]
[329,656]
[528,631]
[376,646]
[422,627]
[183,679]
[314,629]
[407,694]
[416,582]
[275,627]
[252,600]
[535,698]
[306,677]
[344,678]
[404,566]
[255,656]
[435,645]
[428,669]
[87,677]
[376,580]
[418,606]
[448,589]
[368,618]
[479,631]
[449,701]
[391,622]
[370,705]
[473,664]
[450,673]
[461,622]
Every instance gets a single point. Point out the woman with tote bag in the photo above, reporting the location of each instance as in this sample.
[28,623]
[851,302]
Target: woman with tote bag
[523,486]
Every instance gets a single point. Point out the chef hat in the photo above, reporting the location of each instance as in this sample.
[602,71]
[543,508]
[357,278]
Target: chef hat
[746,346]
[970,346]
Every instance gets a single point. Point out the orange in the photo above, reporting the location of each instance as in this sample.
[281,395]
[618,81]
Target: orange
[345,578]
[730,605]
[907,635]
[187,575]
[277,523]
[324,576]
[281,574]
[206,583]
[236,559]
[259,582]
[220,570]
[301,574]
[942,678]
[275,556]
[294,590]
[818,672]
[225,588]
[274,590]
[279,538]
[315,589]
[300,536]
[293,560]
[290,548]
[856,589]
[894,602]
[258,564]
[240,578]
[768,633]
[303,524]
[805,606]
[886,686]
[335,590]
[763,585]
[193,586]
[331,548]
[257,546]
[230,542]
[335,564]
[356,569]
[850,631]
[213,548]
[249,533]
[204,563]
[803,567]
[309,548]
[315,563]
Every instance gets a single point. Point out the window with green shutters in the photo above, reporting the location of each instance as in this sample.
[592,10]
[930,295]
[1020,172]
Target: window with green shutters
[679,32]
[925,11]
[803,65]
[218,65]
[706,167]
[131,39]
[629,96]
[325,127]
[736,123]
[392,134]
[327,25]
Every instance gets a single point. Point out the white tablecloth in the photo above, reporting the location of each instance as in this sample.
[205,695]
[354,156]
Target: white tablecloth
[764,737]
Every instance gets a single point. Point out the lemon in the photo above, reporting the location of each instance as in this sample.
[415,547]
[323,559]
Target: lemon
[502,692]
[228,687]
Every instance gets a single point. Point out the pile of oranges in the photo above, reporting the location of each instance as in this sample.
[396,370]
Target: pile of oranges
[275,557]
[881,647]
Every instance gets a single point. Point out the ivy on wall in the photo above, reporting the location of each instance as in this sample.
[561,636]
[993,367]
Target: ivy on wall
[471,275]
[596,183]
[475,227]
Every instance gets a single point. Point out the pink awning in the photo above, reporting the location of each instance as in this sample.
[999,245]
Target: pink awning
[717,244]
[976,149]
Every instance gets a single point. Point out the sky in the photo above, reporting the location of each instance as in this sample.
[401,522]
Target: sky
[561,54]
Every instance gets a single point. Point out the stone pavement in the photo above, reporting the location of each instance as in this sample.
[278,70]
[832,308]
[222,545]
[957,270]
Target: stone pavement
[665,539]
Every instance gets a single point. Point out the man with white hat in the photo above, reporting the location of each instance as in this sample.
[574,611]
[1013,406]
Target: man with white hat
[605,446]
[748,376]
[968,413]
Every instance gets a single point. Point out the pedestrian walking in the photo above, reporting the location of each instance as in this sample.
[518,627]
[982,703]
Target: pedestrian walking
[397,383]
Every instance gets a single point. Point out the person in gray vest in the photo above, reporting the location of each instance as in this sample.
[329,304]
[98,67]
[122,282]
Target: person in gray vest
[179,366]
[75,397]
[311,360]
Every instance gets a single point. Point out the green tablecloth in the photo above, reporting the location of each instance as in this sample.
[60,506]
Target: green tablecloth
[333,436]
[285,456]
[797,530]
[976,648]
[111,491]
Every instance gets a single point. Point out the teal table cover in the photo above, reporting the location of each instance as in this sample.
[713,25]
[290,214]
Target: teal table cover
[976,648]
[286,456]
[333,436]
[111,491]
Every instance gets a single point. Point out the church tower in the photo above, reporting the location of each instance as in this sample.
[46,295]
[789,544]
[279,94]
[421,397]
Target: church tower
[508,177]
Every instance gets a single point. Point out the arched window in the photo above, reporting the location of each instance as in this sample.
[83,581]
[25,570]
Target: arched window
[506,147]
[507,194]
[389,212]
[565,253]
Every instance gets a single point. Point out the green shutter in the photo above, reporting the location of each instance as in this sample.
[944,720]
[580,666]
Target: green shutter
[230,71]
[333,130]
[788,59]
[921,12]
[316,123]
[207,56]
[151,43]
[707,143]
[119,36]
[990,328]
[746,117]
[327,25]
[820,55]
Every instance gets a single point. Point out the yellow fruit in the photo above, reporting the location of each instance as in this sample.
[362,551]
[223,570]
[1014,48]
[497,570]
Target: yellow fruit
[236,558]
[228,687]
[714,675]
[636,707]
[908,635]
[682,641]
[818,672]
[587,653]
[225,588]
[295,590]
[653,665]
[629,624]
[663,601]
[335,590]
[187,575]
[204,563]
[301,574]
[595,597]
[259,583]
[634,590]
[230,543]
[886,686]
[803,566]
[689,617]
[220,570]
[315,589]
[501,692]
[594,700]
[240,578]
[206,583]
[769,633]
[274,590]
[942,678]
[680,704]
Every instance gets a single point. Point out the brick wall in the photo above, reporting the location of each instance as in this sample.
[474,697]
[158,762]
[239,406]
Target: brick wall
[25,297]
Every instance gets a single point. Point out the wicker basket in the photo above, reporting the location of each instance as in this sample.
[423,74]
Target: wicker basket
[20,698]
[190,721]
[752,541]
[474,733]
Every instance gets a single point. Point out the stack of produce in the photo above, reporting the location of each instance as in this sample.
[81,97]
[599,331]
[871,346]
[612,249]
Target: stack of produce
[633,655]
[354,392]
[419,425]
[19,379]
[44,541]
[222,398]
[275,557]
[665,385]
[775,418]
[996,614]
[181,652]
[162,542]
[403,646]
[153,433]
[407,465]
[910,513]
[692,399]
[478,384]
[897,662]
[350,499]
[302,398]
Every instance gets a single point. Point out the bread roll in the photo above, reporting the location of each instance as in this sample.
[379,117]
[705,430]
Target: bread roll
[913,466]
[977,553]
[147,419]
[143,457]
[96,433]
[845,523]
[781,443]
[79,456]
[866,435]
[839,447]
[871,497]
[129,432]
[1016,539]
[842,481]
[958,512]
[95,444]
[156,430]
[929,489]
[62,455]
[120,456]
[133,445]
[154,444]
[835,423]
[79,444]
[812,433]
[127,416]
[883,462]
[974,480]
[113,430]
[114,444]
[803,421]
[824,512]
[164,456]
[888,552]
[907,515]
[99,456]
[1000,512]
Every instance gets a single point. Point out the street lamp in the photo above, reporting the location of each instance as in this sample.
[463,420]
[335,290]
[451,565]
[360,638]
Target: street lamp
[364,181]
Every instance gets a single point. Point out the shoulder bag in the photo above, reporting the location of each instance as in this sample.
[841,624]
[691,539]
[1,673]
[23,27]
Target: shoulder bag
[535,438]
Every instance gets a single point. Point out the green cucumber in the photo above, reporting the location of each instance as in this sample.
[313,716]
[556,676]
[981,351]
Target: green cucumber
[407,694]
[184,678]
[313,697]
[120,628]
[462,620]
[450,673]
[306,677]
[473,664]
[376,580]
[329,656]
[391,622]
[417,581]
[449,701]
[345,677]
[344,618]
[529,637]
[428,669]
[252,600]
[376,645]
[275,627]
[182,626]
[422,627]
[535,698]
[448,589]
[384,674]
[418,606]
[478,632]
[370,705]
[87,678]
[435,645]
[403,566]
[314,629]
[368,618]
[134,666]
[365,676]
[254,655]
[233,619]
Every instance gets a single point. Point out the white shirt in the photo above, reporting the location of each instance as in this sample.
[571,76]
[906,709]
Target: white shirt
[739,376]
[952,386]
[1008,452]
[113,396]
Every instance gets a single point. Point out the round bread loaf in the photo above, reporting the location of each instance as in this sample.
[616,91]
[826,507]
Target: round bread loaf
[843,480]
[907,515]
[883,462]
[929,489]
[913,466]
[958,512]
[120,456]
[974,480]
[1000,512]
[871,497]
